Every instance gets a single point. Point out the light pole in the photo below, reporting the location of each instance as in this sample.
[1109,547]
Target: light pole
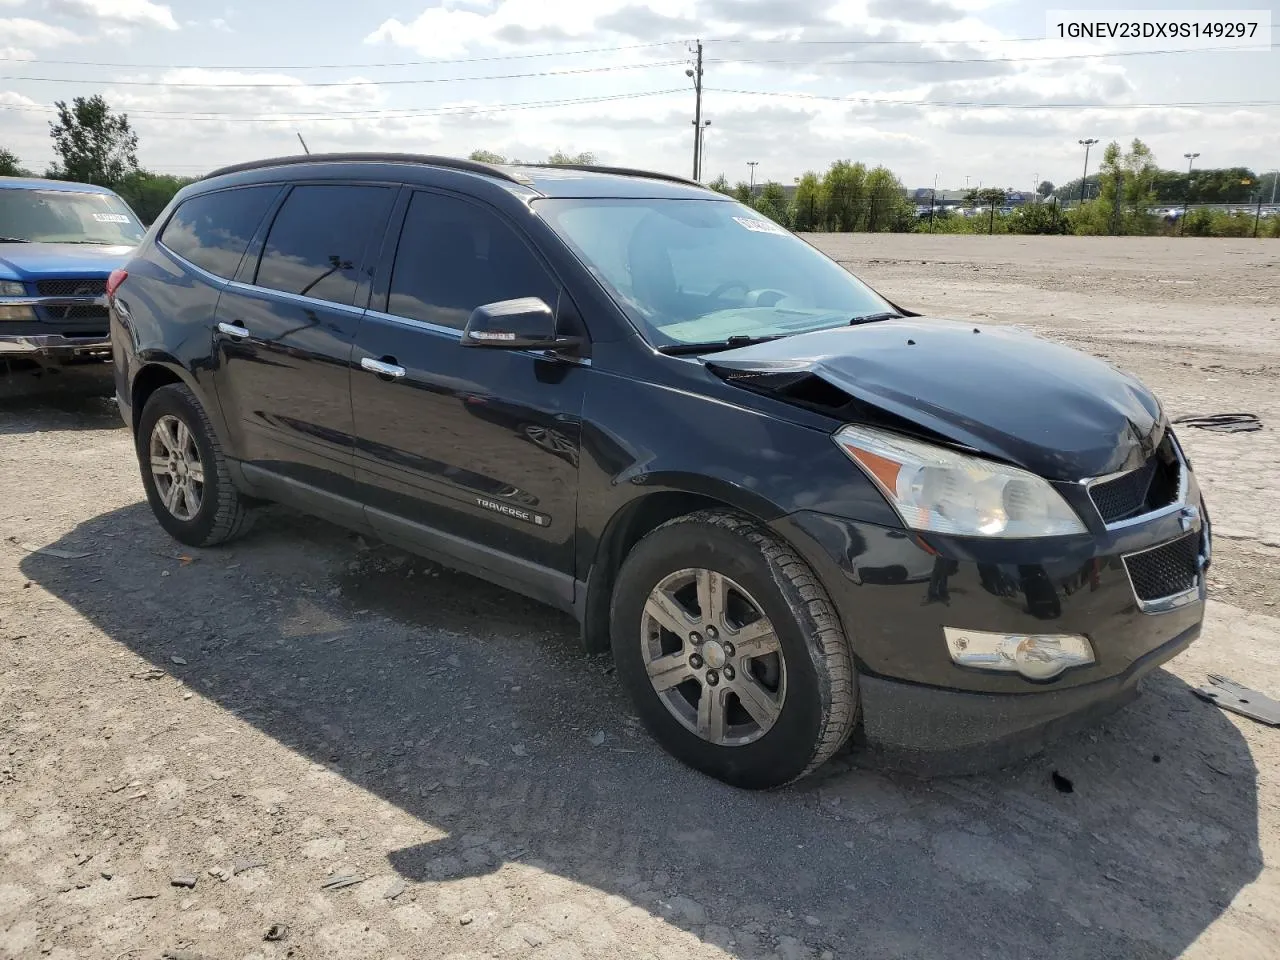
[751,187]
[1186,200]
[1084,178]
[1275,175]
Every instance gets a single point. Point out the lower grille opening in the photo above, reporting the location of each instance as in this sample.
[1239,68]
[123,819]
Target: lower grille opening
[1165,570]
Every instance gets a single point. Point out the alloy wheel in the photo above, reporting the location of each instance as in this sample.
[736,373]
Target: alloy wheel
[713,657]
[176,467]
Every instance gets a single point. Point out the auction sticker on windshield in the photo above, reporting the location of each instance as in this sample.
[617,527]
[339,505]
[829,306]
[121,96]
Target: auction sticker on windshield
[760,226]
[111,218]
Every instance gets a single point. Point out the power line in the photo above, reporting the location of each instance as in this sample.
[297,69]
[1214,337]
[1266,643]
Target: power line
[1072,56]
[353,83]
[342,66]
[981,104]
[407,113]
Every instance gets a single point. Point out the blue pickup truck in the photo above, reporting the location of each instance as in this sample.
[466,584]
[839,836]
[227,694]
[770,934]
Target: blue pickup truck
[59,242]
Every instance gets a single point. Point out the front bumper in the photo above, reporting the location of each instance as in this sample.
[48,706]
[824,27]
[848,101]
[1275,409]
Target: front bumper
[928,730]
[896,591]
[59,328]
[54,346]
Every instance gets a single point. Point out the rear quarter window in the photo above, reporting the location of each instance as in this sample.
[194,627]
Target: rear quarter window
[214,229]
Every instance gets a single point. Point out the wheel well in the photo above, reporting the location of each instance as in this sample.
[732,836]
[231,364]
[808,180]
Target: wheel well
[625,530]
[148,380]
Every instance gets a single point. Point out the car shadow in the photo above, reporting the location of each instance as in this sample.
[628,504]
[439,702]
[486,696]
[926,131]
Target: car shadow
[474,711]
[69,401]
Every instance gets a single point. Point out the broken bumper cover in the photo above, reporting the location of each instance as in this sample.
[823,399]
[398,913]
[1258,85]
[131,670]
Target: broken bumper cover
[54,346]
[898,594]
[949,732]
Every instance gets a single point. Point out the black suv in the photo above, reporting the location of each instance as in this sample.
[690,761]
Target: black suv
[792,509]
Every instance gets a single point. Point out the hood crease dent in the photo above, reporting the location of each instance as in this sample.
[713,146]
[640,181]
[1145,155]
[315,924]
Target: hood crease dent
[1060,413]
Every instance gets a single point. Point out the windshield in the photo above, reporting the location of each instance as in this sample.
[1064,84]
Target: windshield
[61,216]
[695,271]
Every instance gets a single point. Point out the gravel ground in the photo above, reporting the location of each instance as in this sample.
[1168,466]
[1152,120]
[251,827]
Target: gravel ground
[193,744]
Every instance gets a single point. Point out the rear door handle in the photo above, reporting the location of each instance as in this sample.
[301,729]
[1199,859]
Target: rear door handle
[381,367]
[233,330]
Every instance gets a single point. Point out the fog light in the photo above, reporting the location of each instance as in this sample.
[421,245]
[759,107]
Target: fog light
[1037,656]
[9,312]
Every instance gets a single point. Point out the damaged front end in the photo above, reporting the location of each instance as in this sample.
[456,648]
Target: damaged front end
[992,390]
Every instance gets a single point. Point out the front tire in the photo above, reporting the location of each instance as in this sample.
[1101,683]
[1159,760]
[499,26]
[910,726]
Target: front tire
[185,471]
[731,651]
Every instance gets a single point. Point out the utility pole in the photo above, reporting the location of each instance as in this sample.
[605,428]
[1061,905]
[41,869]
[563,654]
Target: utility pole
[1186,201]
[751,187]
[695,72]
[1084,178]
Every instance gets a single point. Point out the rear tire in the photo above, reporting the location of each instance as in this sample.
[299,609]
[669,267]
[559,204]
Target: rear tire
[185,471]
[772,657]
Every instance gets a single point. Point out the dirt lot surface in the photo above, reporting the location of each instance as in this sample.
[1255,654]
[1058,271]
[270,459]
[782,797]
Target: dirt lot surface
[194,743]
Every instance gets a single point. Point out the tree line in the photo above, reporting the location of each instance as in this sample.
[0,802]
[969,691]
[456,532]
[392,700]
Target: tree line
[1121,200]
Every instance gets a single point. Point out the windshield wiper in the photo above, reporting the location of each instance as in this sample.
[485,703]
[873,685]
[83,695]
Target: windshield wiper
[873,317]
[98,243]
[14,240]
[732,343]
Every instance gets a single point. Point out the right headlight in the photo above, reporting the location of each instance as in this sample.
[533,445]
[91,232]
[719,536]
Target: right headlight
[941,491]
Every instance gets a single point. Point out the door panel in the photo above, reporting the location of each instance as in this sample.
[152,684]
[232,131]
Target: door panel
[472,443]
[284,340]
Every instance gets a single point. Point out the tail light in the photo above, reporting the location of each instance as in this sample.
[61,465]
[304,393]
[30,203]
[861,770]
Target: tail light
[116,278]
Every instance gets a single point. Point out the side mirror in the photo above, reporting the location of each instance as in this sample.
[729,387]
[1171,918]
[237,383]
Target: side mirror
[523,324]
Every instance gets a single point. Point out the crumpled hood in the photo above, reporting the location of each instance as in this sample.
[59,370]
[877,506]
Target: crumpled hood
[34,261]
[1053,410]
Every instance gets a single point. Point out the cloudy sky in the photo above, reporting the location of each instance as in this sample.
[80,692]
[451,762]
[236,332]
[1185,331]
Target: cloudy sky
[953,88]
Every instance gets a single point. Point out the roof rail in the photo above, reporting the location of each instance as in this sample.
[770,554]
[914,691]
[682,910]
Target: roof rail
[619,171]
[454,163]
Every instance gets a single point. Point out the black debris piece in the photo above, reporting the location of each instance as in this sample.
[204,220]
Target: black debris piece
[1230,695]
[1222,422]
[1062,784]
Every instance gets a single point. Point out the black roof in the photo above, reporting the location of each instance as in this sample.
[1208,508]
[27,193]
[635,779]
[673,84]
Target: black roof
[550,180]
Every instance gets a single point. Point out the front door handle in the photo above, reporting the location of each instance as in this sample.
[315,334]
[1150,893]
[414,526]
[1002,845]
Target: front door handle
[233,330]
[382,368]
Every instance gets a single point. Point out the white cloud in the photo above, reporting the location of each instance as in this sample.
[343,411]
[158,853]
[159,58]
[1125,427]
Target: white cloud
[454,28]
[140,13]
[33,33]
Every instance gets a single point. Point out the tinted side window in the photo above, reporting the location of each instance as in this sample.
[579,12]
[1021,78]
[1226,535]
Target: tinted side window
[454,256]
[318,238]
[213,230]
